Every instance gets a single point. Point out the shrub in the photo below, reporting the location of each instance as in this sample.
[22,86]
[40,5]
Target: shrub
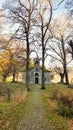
[64,102]
[5,92]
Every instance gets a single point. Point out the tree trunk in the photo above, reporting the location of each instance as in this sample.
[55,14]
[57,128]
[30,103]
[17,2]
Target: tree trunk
[66,75]
[17,77]
[65,63]
[4,78]
[27,66]
[43,75]
[43,59]
[14,73]
[62,77]
[13,77]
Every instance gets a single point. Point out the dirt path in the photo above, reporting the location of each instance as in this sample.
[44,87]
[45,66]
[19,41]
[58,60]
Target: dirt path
[35,117]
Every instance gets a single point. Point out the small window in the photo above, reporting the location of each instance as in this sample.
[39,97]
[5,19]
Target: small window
[45,78]
[36,69]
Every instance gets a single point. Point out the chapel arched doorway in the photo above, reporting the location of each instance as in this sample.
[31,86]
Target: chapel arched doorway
[36,78]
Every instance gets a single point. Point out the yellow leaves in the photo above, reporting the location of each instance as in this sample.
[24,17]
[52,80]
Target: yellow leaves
[6,55]
[0,71]
[12,58]
[31,64]
[6,62]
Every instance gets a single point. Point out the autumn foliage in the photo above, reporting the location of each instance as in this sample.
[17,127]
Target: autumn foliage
[64,101]
[11,61]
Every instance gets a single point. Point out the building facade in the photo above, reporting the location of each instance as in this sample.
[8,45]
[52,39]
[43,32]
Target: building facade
[35,74]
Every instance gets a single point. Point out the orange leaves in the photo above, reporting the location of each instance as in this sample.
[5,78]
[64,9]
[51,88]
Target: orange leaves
[5,60]
[3,64]
[12,58]
[20,98]
[1,122]
[6,63]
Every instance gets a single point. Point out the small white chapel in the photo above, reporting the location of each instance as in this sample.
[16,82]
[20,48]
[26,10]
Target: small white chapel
[35,74]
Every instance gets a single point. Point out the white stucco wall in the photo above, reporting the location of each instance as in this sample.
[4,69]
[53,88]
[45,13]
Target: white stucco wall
[24,77]
[32,76]
[47,76]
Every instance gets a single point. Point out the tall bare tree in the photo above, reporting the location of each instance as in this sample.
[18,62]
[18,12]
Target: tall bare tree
[71,47]
[20,13]
[59,45]
[45,10]
[45,16]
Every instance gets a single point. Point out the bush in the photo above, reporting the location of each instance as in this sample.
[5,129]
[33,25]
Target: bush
[55,94]
[5,92]
[64,102]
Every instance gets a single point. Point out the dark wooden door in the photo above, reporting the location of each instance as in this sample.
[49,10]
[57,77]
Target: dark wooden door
[36,80]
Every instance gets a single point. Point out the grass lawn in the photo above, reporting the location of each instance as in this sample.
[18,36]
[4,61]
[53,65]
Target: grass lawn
[11,112]
[61,123]
[56,118]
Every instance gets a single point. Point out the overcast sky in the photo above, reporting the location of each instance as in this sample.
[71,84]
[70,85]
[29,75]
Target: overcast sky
[57,14]
[1,1]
